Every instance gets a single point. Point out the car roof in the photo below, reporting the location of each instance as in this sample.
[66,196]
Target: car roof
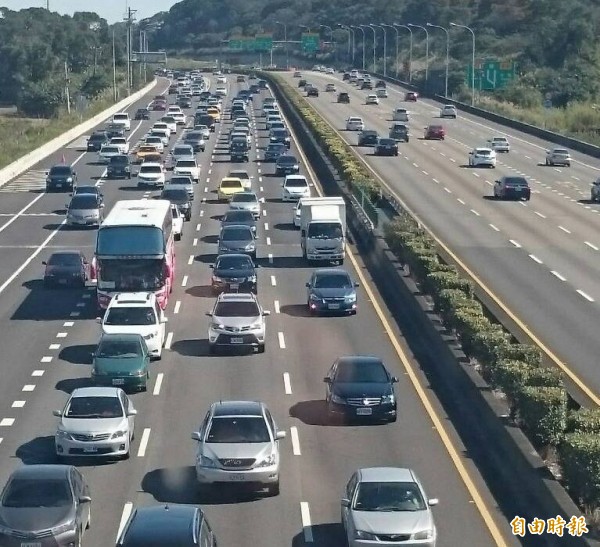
[483,149]
[363,360]
[236,297]
[96,392]
[121,336]
[331,271]
[151,164]
[67,252]
[386,474]
[42,471]
[128,299]
[237,408]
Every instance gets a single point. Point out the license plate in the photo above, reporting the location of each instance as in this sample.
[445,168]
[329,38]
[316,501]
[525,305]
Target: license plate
[237,340]
[90,449]
[364,411]
[234,285]
[237,477]
[334,306]
[59,184]
[31,544]
[62,281]
[118,381]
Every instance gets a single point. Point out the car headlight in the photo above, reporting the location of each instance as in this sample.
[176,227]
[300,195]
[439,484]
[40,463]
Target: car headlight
[118,434]
[315,298]
[256,325]
[337,399]
[62,434]
[361,534]
[252,279]
[388,399]
[350,298]
[217,279]
[218,326]
[204,461]
[267,461]
[249,247]
[424,534]
[66,527]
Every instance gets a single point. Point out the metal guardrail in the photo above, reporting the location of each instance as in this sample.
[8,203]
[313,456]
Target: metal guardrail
[367,206]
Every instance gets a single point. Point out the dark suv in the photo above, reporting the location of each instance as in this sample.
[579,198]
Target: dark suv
[399,132]
[96,140]
[142,114]
[368,137]
[343,98]
[60,177]
[312,92]
[119,167]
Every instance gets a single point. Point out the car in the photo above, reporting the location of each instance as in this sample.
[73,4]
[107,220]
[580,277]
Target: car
[354,123]
[204,131]
[163,133]
[482,157]
[159,106]
[272,118]
[297,74]
[180,199]
[343,98]
[239,149]
[142,113]
[254,89]
[274,151]
[156,141]
[187,166]
[184,102]
[96,421]
[366,84]
[119,167]
[239,217]
[330,88]
[381,92]
[137,313]
[499,144]
[122,118]
[302,82]
[345,76]
[387,506]
[121,360]
[181,182]
[512,187]
[145,150]
[281,135]
[245,201]
[368,137]
[84,189]
[372,99]
[243,176]
[312,91]
[558,156]
[44,505]
[360,387]
[207,120]
[435,132]
[96,140]
[66,268]
[400,115]
[233,273]
[222,80]
[286,164]
[178,152]
[85,210]
[228,187]
[380,84]
[411,96]
[167,525]
[295,187]
[180,117]
[170,121]
[115,130]
[237,238]
[59,177]
[178,221]
[107,152]
[151,174]
[386,147]
[448,111]
[238,441]
[331,290]
[399,132]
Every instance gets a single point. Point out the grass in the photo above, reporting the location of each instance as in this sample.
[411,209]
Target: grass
[177,63]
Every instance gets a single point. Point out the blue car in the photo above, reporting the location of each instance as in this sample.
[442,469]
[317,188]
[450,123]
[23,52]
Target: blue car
[331,290]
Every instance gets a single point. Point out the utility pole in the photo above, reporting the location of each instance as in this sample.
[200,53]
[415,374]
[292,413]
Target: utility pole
[67,88]
[129,20]
[114,59]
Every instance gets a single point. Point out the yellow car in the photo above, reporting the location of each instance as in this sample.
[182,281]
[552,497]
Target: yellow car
[144,151]
[228,187]
[214,113]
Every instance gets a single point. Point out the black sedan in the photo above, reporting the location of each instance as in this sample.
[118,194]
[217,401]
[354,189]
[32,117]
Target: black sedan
[66,268]
[234,273]
[119,167]
[360,387]
[181,198]
[142,114]
[96,140]
[386,147]
[274,151]
[312,92]
[280,136]
[368,137]
[286,164]
[60,177]
[237,217]
[343,98]
[331,290]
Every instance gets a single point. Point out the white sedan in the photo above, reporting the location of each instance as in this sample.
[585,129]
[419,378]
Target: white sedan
[372,99]
[122,143]
[485,157]
[108,151]
[499,144]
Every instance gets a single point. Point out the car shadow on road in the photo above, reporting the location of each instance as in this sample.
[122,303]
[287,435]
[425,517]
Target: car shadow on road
[286,227]
[193,347]
[210,238]
[37,450]
[46,304]
[310,412]
[201,291]
[133,188]
[78,355]
[330,534]
[208,258]
[295,310]
[68,385]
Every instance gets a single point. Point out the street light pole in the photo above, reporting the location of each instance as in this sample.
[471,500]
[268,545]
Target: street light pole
[426,50]
[397,47]
[410,49]
[382,27]
[330,39]
[473,60]
[447,53]
[287,56]
[364,64]
[350,36]
[374,42]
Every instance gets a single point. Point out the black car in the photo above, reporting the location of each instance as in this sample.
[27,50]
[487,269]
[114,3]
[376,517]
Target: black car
[204,95]
[262,84]
[66,268]
[368,137]
[195,140]
[184,102]
[254,89]
[239,150]
[239,217]
[346,76]
[312,92]
[119,167]
[399,132]
[380,84]
[343,98]
[286,164]
[181,198]
[234,273]
[331,290]
[94,190]
[302,82]
[360,387]
[386,147]
[96,140]
[280,136]
[142,114]
[274,151]
[60,177]
[167,525]
[205,119]
[512,188]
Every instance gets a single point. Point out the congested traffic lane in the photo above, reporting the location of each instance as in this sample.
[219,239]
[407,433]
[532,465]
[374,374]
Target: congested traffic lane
[541,251]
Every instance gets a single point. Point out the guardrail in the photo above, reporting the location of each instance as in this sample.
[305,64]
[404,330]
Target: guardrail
[17,167]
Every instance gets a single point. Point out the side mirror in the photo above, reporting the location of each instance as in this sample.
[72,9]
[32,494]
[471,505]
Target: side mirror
[44,263]
[196,436]
[266,312]
[209,313]
[212,266]
[395,379]
[357,284]
[85,499]
[345,502]
[307,285]
[57,413]
[327,380]
[432,502]
[132,412]
[280,435]
[102,206]
[47,173]
[98,319]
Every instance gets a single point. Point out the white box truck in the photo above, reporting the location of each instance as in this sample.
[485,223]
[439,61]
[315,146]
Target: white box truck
[323,229]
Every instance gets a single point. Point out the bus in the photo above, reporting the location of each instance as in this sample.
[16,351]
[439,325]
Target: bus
[135,251]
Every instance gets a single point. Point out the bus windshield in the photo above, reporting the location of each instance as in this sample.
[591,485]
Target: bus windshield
[131,275]
[129,241]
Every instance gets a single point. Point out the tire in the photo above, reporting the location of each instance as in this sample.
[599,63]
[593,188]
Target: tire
[261,348]
[273,489]
[177,237]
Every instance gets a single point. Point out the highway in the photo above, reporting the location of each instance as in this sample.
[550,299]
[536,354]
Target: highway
[540,258]
[47,335]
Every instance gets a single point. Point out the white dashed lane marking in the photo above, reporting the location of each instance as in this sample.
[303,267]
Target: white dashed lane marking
[28,387]
[515,243]
[535,259]
[158,384]
[306,522]
[281,339]
[591,245]
[559,276]
[287,384]
[494,228]
[169,341]
[295,441]
[564,229]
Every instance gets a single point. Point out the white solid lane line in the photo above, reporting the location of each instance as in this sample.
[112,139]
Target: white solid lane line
[535,259]
[158,384]
[127,509]
[287,383]
[144,443]
[306,522]
[169,340]
[585,295]
[295,441]
[177,306]
[556,274]
[591,245]
[281,340]
[20,213]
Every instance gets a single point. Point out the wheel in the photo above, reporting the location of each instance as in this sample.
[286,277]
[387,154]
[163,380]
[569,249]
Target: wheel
[177,237]
[261,348]
[273,489]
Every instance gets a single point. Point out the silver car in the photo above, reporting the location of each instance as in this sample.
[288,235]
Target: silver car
[238,442]
[246,201]
[237,238]
[96,421]
[237,320]
[387,506]
[85,210]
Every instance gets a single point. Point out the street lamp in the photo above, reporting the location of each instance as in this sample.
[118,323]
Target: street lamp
[426,49]
[363,45]
[397,46]
[447,53]
[382,27]
[287,56]
[330,38]
[409,50]
[374,44]
[473,61]
[350,32]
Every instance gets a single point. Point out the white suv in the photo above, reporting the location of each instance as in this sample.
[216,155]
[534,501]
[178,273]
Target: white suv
[151,174]
[354,123]
[122,118]
[136,313]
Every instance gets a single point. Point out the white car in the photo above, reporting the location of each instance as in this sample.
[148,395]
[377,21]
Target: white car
[485,157]
[400,115]
[137,313]
[165,126]
[499,144]
[372,99]
[122,143]
[558,156]
[354,123]
[122,118]
[163,134]
[330,71]
[178,152]
[448,111]
[187,166]
[243,176]
[108,151]
[155,141]
[151,174]
[221,91]
[330,88]
[204,130]
[296,214]
[180,117]
[381,93]
[295,187]
[222,80]
[177,222]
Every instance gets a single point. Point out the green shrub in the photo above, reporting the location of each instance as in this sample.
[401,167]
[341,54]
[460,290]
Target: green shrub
[584,420]
[467,322]
[443,278]
[511,374]
[579,455]
[542,412]
[485,344]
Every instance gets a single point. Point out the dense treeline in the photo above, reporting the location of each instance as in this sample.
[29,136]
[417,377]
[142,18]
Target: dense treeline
[552,41]
[35,46]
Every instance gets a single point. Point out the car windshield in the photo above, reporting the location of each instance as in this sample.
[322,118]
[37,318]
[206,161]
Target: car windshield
[182,151]
[61,170]
[231,184]
[118,349]
[37,492]
[110,150]
[238,216]
[236,309]
[64,259]
[236,234]
[251,429]
[435,128]
[174,195]
[332,281]
[83,201]
[155,169]
[560,152]
[119,159]
[276,147]
[94,407]
[296,183]
[287,160]
[515,181]
[244,198]
[352,372]
[324,230]
[239,174]
[387,142]
[130,316]
[225,262]
[194,136]
[389,496]
[280,133]
[180,180]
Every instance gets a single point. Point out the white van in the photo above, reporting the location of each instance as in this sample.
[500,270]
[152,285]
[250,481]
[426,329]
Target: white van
[400,115]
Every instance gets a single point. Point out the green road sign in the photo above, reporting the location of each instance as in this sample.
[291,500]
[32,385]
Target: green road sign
[310,42]
[242,43]
[492,74]
[263,42]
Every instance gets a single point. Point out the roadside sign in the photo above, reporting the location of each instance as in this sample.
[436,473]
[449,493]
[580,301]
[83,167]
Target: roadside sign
[548,103]
[263,42]
[310,42]
[492,74]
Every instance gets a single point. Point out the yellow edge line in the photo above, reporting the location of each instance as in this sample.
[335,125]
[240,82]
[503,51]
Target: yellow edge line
[439,426]
[551,355]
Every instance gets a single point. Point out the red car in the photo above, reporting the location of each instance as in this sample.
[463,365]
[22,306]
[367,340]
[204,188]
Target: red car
[411,96]
[159,106]
[435,132]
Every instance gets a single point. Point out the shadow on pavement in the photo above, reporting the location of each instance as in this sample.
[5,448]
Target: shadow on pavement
[69,385]
[47,304]
[78,355]
[326,535]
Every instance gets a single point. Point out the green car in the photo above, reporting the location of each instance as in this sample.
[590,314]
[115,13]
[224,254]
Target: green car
[121,360]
